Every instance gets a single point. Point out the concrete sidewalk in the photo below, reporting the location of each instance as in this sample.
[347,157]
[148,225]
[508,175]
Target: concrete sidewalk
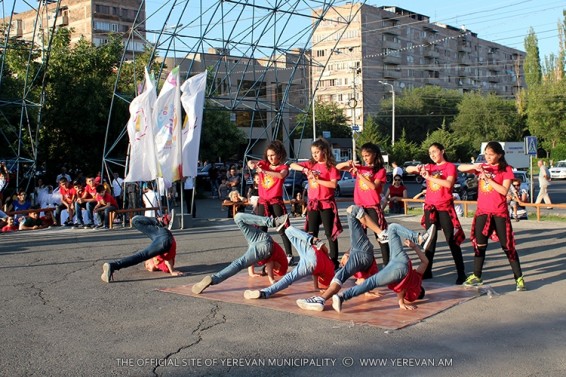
[59,319]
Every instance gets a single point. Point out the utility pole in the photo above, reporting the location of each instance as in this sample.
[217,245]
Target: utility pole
[392,111]
[353,104]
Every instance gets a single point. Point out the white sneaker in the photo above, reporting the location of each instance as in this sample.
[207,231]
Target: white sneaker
[281,222]
[337,303]
[171,219]
[383,237]
[427,237]
[315,303]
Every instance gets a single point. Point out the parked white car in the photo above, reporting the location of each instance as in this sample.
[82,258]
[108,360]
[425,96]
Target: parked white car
[558,171]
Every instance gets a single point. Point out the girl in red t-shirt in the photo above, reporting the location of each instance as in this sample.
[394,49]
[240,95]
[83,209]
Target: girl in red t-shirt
[439,208]
[321,207]
[272,172]
[370,179]
[492,215]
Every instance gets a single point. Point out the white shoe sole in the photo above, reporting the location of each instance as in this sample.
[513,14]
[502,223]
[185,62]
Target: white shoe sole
[252,295]
[309,305]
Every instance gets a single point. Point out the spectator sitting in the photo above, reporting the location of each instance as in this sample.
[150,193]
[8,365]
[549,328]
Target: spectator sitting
[32,221]
[516,197]
[395,194]
[9,225]
[47,219]
[235,197]
[298,205]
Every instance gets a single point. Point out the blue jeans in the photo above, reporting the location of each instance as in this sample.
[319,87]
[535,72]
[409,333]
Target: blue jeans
[302,243]
[103,217]
[396,269]
[361,250]
[260,244]
[161,240]
[79,213]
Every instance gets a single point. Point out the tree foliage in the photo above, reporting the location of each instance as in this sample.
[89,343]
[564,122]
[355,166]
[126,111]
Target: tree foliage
[220,137]
[405,150]
[420,111]
[531,66]
[328,117]
[487,117]
[456,148]
[371,134]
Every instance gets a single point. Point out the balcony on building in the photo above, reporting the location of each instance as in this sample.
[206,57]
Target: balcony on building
[392,59]
[464,46]
[63,20]
[391,44]
[464,59]
[389,73]
[431,52]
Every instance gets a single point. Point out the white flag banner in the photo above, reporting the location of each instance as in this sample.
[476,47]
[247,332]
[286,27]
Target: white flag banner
[167,127]
[193,102]
[143,163]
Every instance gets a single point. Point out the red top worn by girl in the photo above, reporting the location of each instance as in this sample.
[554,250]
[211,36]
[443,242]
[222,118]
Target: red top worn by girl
[437,195]
[364,196]
[279,256]
[411,283]
[489,200]
[169,256]
[320,192]
[269,186]
[324,268]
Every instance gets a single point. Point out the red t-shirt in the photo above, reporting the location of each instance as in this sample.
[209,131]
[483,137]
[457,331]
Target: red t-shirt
[168,256]
[396,191]
[107,199]
[277,256]
[269,186]
[91,190]
[372,270]
[67,194]
[364,196]
[437,195]
[324,268]
[320,192]
[84,194]
[9,228]
[412,283]
[489,200]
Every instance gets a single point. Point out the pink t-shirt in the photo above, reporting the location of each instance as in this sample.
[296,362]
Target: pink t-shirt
[364,196]
[320,192]
[489,200]
[324,269]
[269,186]
[437,195]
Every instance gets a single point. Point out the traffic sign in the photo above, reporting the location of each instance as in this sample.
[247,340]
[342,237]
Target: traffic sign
[355,128]
[531,145]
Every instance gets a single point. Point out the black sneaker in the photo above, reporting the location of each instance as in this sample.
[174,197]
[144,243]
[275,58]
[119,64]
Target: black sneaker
[107,273]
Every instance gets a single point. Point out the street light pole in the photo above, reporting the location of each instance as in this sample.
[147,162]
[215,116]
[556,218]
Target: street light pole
[392,111]
[353,104]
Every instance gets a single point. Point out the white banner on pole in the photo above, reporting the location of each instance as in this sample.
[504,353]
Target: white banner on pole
[193,102]
[143,162]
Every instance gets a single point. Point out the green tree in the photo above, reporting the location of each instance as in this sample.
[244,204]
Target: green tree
[531,66]
[79,89]
[456,148]
[371,134]
[487,117]
[419,111]
[220,137]
[405,150]
[545,110]
[328,117]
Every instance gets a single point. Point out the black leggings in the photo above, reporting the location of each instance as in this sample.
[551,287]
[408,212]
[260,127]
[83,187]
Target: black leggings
[326,217]
[445,222]
[500,226]
[276,210]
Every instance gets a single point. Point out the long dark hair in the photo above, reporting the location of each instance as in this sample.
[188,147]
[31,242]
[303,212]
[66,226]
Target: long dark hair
[377,157]
[498,149]
[326,150]
[440,147]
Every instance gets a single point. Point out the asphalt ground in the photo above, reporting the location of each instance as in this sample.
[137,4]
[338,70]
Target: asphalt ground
[59,319]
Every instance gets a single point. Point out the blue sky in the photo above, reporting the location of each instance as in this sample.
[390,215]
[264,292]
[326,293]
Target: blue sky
[502,21]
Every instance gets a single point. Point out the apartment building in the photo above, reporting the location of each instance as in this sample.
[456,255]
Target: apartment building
[262,95]
[367,49]
[92,19]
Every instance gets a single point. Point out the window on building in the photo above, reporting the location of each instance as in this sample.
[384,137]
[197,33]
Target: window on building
[250,88]
[251,118]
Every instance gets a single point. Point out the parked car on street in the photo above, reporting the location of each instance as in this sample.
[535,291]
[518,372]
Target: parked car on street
[345,185]
[558,171]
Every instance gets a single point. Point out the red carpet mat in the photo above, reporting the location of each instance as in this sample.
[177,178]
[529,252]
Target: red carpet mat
[381,311]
